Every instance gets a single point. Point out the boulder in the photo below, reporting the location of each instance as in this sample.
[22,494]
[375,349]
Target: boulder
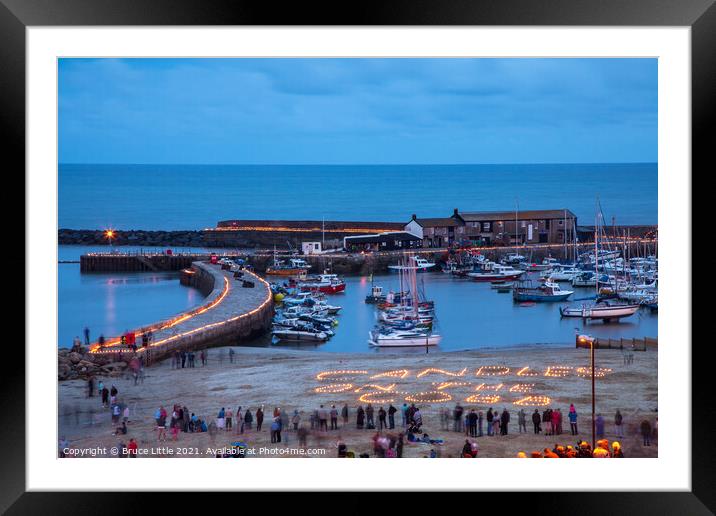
[75,358]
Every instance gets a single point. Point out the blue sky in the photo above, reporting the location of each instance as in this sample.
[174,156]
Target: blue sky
[357,111]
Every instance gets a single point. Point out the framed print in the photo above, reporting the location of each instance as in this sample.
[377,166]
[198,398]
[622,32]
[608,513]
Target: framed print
[294,238]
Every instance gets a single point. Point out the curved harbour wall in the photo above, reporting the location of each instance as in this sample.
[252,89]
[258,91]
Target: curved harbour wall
[236,308]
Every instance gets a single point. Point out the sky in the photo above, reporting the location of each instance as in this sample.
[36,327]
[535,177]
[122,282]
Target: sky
[357,111]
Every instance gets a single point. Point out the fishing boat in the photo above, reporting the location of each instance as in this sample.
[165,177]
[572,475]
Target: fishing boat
[491,271]
[291,267]
[414,263]
[326,283]
[546,292]
[402,338]
[547,264]
[589,279]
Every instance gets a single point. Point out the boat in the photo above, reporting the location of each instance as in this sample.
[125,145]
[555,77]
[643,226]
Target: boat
[502,287]
[546,292]
[562,273]
[292,267]
[326,283]
[414,263]
[491,271]
[603,311]
[299,335]
[513,259]
[547,264]
[589,279]
[402,338]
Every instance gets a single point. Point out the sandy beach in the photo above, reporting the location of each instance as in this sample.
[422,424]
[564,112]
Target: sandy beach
[302,380]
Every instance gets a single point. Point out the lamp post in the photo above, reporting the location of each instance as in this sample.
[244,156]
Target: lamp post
[110,235]
[591,353]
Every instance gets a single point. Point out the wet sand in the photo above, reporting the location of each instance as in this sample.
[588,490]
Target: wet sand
[288,379]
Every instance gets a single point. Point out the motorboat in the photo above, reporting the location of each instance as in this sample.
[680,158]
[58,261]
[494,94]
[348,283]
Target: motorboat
[402,338]
[546,292]
[299,335]
[326,283]
[491,271]
[415,263]
[291,267]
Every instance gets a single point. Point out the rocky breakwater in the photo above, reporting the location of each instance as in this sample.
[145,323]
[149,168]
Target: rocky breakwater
[80,364]
[136,237]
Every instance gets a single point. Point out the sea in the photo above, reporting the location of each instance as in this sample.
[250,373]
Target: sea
[469,314]
[179,197]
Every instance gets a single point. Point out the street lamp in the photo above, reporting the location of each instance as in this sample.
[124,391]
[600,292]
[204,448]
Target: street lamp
[110,235]
[584,339]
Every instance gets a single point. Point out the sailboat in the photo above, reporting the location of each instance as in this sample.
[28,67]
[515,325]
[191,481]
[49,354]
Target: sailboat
[605,310]
[407,324]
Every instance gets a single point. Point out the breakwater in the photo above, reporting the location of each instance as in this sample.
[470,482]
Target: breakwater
[235,309]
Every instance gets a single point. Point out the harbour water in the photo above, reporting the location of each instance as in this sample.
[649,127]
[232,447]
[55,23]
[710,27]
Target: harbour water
[183,197]
[470,315]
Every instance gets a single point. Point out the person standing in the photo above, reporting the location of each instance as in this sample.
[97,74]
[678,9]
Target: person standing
[599,423]
[381,418]
[334,418]
[90,386]
[404,412]
[183,358]
[618,424]
[573,419]
[522,420]
[472,423]
[547,420]
[259,418]
[646,432]
[322,419]
[249,419]
[504,421]
[360,418]
[370,422]
[536,420]
[87,336]
[399,446]
[344,414]
[489,418]
[275,431]
[296,419]
[231,355]
[479,424]
[229,418]
[391,416]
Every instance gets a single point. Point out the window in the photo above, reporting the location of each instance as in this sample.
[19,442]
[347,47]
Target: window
[561,222]
[486,227]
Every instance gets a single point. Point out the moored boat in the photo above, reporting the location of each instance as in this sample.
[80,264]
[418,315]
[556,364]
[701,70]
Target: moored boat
[292,267]
[415,263]
[546,292]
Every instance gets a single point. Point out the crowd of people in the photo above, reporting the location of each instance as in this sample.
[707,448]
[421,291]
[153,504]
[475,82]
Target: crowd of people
[582,449]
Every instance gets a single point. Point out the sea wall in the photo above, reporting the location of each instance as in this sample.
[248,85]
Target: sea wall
[231,313]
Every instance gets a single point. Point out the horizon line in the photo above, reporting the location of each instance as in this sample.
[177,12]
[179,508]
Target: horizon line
[368,164]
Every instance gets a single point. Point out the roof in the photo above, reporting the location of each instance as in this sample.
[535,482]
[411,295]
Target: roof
[382,237]
[437,222]
[470,216]
[328,225]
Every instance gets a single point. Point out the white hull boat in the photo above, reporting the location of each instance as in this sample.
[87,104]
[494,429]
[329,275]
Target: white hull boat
[403,339]
[604,312]
[300,336]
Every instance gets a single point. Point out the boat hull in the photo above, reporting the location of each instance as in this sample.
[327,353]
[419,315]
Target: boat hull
[521,297]
[477,276]
[300,336]
[284,272]
[326,289]
[432,340]
[607,312]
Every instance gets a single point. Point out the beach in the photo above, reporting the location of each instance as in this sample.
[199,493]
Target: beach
[290,380]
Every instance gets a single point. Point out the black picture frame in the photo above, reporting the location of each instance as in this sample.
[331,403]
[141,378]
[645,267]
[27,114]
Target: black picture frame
[699,15]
